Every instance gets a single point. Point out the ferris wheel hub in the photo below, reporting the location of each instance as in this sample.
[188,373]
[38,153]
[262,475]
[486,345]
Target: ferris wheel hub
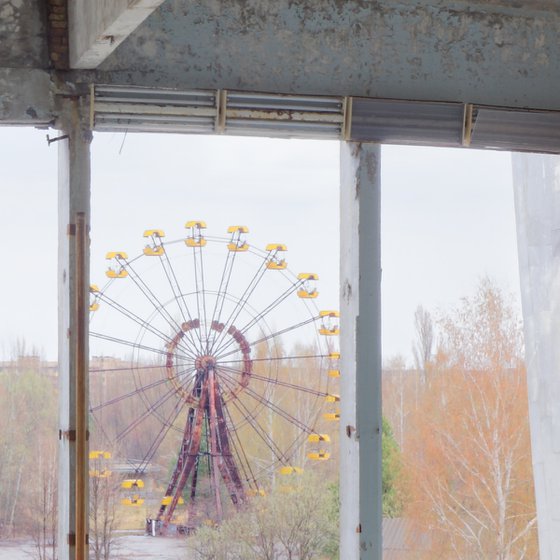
[205,363]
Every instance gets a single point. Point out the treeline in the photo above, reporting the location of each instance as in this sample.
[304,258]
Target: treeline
[28,443]
[460,417]
[456,461]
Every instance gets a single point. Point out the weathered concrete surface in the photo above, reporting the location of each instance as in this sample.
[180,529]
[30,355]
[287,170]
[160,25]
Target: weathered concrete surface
[491,52]
[26,97]
[74,178]
[25,85]
[23,39]
[537,206]
[98,28]
[360,350]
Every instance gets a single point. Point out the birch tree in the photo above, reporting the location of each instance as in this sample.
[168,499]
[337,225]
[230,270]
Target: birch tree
[470,455]
[422,347]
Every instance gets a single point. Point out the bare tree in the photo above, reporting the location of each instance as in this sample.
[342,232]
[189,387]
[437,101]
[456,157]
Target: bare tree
[27,437]
[45,529]
[423,346]
[396,407]
[104,492]
[469,455]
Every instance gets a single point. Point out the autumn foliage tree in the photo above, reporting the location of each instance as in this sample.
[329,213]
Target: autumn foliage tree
[469,454]
[28,443]
[293,521]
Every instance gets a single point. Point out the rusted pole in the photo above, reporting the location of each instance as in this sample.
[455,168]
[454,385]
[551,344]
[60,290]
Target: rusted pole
[81,306]
[73,305]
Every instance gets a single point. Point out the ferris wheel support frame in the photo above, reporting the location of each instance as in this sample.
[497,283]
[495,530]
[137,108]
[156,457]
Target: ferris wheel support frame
[210,412]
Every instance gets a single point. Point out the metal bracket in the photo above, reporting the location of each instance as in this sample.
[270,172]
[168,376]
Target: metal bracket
[70,435]
[56,139]
[221,107]
[91,106]
[350,430]
[347,116]
[71,539]
[467,125]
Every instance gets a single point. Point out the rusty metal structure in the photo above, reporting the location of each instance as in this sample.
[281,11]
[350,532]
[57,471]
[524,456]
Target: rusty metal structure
[203,368]
[463,73]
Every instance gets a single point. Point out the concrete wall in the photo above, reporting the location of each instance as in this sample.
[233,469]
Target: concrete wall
[23,35]
[25,86]
[537,201]
[492,52]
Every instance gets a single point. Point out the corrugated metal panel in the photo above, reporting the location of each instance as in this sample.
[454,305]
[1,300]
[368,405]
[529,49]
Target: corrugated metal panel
[516,130]
[236,113]
[290,129]
[117,108]
[407,122]
[285,116]
[153,110]
[266,101]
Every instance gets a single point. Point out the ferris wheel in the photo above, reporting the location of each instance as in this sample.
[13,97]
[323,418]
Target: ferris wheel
[213,369]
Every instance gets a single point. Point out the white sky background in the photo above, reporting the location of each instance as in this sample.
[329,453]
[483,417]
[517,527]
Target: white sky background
[447,221]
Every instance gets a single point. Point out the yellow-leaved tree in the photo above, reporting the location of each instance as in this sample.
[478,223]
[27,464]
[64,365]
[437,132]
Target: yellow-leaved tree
[469,454]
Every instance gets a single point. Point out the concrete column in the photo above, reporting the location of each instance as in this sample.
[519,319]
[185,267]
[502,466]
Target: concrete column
[360,346]
[73,304]
[537,208]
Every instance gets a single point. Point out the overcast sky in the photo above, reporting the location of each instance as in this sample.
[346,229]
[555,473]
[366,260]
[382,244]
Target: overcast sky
[447,217]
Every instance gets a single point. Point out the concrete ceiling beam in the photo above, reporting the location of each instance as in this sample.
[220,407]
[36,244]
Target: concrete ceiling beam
[487,52]
[96,29]
[26,97]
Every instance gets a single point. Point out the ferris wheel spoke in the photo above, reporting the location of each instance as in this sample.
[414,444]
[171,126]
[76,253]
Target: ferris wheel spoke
[158,440]
[226,444]
[127,368]
[262,314]
[200,289]
[271,336]
[136,319]
[188,385]
[275,408]
[255,425]
[137,390]
[133,344]
[223,289]
[146,414]
[151,297]
[238,307]
[272,359]
[177,292]
[238,446]
[294,386]
[202,280]
[99,424]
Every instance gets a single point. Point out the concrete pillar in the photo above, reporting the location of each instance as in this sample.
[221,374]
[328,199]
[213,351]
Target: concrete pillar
[537,208]
[73,304]
[360,346]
